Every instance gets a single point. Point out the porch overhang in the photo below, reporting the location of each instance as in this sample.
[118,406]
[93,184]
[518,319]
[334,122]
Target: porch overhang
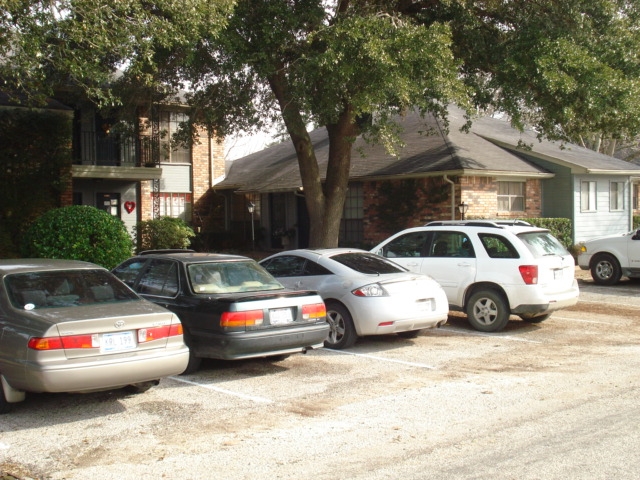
[131,174]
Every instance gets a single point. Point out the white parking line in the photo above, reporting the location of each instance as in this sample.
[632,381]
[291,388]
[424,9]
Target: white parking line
[226,392]
[600,302]
[382,359]
[482,334]
[586,321]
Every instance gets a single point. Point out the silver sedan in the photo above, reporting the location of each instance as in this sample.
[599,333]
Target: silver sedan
[365,294]
[70,326]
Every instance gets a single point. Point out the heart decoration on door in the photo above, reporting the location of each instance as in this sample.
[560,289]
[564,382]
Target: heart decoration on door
[129,206]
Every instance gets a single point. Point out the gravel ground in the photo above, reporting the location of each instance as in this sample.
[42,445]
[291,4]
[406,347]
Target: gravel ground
[553,400]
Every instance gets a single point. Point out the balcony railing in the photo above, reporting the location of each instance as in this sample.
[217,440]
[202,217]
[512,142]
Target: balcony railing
[116,151]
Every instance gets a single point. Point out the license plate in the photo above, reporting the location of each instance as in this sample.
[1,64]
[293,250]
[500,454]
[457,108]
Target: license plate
[117,342]
[425,305]
[557,274]
[280,316]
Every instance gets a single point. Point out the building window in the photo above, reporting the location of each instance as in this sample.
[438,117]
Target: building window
[172,151]
[616,196]
[177,205]
[351,225]
[588,196]
[511,196]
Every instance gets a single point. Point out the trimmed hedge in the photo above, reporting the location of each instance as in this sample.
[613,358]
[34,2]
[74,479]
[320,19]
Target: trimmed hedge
[78,232]
[163,232]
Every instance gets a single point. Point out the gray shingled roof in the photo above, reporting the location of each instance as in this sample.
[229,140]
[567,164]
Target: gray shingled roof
[490,149]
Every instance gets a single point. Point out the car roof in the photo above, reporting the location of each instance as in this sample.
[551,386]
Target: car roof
[513,225]
[26,265]
[189,256]
[320,252]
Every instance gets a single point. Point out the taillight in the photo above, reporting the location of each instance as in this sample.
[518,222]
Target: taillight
[316,310]
[529,274]
[158,333]
[242,319]
[93,340]
[373,290]
[70,341]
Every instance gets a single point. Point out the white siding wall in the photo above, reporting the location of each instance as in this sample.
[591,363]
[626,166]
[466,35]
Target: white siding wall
[602,221]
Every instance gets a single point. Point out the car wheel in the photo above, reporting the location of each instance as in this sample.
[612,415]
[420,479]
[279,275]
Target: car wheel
[141,387]
[605,269]
[538,319]
[5,406]
[193,365]
[342,333]
[409,333]
[487,311]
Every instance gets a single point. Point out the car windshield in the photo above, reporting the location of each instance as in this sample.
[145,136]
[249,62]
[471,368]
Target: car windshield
[543,243]
[230,277]
[367,263]
[65,288]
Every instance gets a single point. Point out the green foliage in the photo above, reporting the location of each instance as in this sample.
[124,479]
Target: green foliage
[35,163]
[559,228]
[79,232]
[163,232]
[566,68]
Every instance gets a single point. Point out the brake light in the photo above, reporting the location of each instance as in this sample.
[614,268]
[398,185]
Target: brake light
[70,341]
[242,319]
[373,290]
[529,274]
[158,333]
[316,310]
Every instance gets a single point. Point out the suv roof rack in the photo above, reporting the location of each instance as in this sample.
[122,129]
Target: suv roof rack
[479,223]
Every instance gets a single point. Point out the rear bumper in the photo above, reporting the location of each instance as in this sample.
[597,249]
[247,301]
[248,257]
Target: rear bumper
[108,372]
[251,344]
[381,315]
[550,304]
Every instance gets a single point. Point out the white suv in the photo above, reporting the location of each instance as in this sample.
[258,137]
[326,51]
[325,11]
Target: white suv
[490,269]
[611,257]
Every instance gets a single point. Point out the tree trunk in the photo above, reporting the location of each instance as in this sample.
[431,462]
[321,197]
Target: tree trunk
[324,205]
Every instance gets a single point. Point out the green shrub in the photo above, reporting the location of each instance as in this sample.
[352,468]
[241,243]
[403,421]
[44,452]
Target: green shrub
[78,232]
[163,232]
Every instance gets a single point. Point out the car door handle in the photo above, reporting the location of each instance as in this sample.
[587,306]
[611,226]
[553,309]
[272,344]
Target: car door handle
[297,285]
[465,264]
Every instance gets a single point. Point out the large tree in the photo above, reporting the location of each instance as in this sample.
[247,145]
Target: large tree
[566,68]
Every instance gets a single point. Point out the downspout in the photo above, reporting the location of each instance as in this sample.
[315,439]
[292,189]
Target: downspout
[453,196]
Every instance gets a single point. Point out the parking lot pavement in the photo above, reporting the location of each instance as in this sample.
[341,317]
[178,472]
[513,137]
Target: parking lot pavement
[551,400]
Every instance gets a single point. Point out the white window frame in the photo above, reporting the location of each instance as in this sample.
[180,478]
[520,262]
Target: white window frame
[588,196]
[512,198]
[616,196]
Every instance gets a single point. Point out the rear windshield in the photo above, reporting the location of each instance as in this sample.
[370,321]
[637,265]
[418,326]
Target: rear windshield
[367,263]
[543,243]
[230,277]
[65,288]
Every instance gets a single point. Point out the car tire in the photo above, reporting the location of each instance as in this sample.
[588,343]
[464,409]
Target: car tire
[538,319]
[5,406]
[488,311]
[342,333]
[605,269]
[409,333]
[193,365]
